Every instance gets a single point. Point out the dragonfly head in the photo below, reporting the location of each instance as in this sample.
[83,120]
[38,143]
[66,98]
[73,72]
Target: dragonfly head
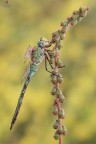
[43,42]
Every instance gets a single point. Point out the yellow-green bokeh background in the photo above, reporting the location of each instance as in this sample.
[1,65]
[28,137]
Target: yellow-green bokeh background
[23,23]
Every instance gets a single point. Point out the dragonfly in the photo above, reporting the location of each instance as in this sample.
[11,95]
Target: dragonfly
[36,54]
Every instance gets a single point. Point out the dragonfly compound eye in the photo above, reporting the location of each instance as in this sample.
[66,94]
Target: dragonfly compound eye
[40,43]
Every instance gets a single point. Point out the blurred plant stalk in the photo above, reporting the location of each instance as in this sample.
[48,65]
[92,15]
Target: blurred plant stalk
[5,3]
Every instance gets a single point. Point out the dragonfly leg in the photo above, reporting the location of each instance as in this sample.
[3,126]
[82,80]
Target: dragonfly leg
[48,51]
[61,66]
[46,65]
[46,58]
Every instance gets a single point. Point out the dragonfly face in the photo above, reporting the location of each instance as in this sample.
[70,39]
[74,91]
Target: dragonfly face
[43,42]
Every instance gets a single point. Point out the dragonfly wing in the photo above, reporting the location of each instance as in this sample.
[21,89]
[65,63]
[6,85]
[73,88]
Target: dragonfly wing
[26,72]
[28,53]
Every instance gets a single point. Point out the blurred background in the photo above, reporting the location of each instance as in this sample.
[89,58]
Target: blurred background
[23,23]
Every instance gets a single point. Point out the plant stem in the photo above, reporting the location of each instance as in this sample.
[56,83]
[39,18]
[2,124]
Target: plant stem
[58,87]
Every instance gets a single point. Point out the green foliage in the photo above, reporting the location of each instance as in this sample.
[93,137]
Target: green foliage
[23,23]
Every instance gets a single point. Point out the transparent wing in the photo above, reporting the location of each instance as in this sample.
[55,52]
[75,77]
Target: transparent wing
[26,72]
[28,53]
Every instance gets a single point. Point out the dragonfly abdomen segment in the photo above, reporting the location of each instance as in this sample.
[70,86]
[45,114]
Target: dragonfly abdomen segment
[34,67]
[21,98]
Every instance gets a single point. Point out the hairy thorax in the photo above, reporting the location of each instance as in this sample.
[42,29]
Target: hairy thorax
[38,55]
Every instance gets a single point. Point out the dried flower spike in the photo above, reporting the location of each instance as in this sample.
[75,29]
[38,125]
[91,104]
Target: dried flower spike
[56,77]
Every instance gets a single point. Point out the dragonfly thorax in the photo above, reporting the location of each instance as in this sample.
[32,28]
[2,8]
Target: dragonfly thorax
[38,55]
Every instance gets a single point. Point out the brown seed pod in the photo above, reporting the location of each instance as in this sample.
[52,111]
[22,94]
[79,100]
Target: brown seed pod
[62,99]
[61,114]
[64,130]
[56,123]
[64,23]
[60,79]
[56,136]
[62,36]
[54,90]
[55,110]
[59,129]
[58,93]
[54,79]
[59,63]
[59,44]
